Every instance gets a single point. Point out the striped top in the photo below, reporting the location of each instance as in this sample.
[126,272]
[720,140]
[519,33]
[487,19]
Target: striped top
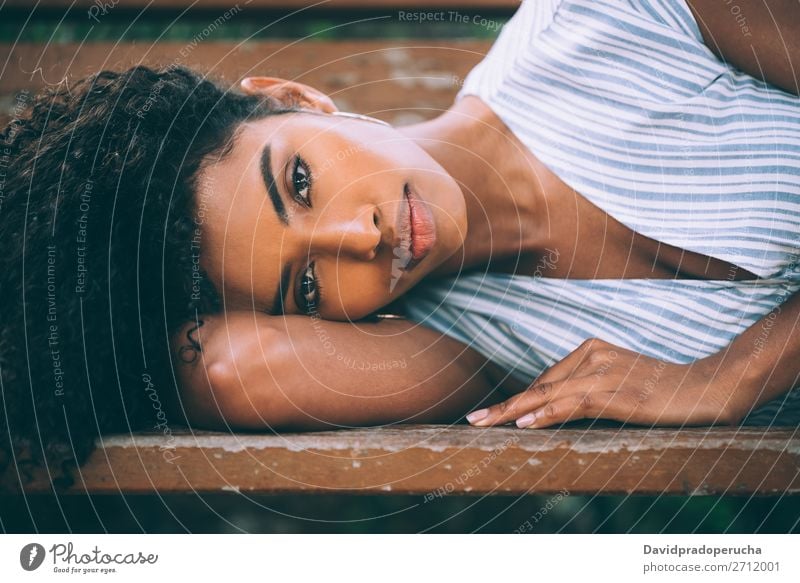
[625,103]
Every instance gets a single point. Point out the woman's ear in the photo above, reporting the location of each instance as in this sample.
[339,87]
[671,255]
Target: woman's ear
[289,93]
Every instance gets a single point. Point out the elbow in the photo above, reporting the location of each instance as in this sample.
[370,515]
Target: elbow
[221,375]
[234,385]
[733,416]
[242,393]
[234,402]
[206,397]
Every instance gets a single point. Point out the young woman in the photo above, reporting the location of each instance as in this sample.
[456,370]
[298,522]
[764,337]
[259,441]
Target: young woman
[608,216]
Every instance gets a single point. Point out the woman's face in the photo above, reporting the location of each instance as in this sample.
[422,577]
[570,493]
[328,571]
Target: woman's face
[316,214]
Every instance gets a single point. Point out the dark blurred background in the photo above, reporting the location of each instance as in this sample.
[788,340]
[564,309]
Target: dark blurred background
[395,59]
[398,514]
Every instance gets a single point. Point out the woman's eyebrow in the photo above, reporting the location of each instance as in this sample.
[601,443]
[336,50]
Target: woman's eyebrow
[282,292]
[269,183]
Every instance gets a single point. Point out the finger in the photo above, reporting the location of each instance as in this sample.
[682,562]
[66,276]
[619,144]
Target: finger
[588,405]
[534,397]
[568,366]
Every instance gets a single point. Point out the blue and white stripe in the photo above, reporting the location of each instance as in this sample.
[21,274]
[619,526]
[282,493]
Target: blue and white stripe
[626,104]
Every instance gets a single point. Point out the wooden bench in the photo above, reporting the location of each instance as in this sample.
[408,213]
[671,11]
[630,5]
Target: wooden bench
[434,460]
[400,81]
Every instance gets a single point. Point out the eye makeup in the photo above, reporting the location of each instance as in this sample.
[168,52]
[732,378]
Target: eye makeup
[308,290]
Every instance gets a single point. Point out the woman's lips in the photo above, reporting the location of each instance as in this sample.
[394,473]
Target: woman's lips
[423,229]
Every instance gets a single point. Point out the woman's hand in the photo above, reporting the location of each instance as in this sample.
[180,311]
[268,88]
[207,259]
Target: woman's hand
[600,380]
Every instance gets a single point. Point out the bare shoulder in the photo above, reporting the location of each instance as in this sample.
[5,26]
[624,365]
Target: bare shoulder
[760,38]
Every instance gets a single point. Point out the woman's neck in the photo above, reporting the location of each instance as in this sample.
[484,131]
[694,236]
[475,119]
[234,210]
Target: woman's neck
[497,176]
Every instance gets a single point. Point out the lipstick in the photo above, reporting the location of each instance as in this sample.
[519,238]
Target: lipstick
[423,228]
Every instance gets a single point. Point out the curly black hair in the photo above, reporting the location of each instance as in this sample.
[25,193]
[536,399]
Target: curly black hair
[99,197]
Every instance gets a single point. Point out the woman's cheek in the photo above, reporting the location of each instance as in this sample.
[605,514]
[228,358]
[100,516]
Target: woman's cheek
[353,289]
[352,296]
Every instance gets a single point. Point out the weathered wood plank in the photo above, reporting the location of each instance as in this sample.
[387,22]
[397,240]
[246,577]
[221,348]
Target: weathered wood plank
[431,460]
[401,81]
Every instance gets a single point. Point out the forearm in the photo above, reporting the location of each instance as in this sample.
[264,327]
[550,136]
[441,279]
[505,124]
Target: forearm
[763,363]
[297,372]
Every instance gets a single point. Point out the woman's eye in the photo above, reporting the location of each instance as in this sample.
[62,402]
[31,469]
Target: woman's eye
[301,180]
[308,290]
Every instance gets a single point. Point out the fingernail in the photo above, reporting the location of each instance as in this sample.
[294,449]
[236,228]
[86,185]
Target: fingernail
[478,415]
[526,420]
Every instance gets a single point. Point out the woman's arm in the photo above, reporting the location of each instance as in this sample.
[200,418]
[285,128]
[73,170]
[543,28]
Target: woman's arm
[256,371]
[759,37]
[600,380]
[764,362]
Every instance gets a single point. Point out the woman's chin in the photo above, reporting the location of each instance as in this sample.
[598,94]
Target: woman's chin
[455,222]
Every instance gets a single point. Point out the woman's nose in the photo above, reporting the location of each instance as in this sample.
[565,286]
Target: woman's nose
[358,237]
